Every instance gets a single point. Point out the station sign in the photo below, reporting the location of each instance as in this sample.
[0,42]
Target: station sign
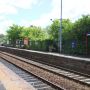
[88,34]
[26,41]
[74,44]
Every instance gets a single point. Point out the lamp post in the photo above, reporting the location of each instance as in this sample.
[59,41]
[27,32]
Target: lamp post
[60,31]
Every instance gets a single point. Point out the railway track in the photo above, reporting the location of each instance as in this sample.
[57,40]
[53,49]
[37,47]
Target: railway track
[60,78]
[33,80]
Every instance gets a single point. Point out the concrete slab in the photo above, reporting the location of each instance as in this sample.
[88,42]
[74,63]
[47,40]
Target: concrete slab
[11,81]
[1,86]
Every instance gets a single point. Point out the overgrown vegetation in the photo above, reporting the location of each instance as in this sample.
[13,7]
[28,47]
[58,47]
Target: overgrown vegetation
[73,36]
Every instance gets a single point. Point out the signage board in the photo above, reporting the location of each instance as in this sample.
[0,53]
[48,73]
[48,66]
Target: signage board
[26,41]
[88,34]
[74,44]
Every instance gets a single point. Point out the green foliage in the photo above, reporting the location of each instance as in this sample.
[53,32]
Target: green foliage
[14,32]
[26,47]
[81,27]
[26,33]
[39,37]
[3,39]
[34,33]
[78,33]
[38,45]
[71,32]
[67,27]
[54,29]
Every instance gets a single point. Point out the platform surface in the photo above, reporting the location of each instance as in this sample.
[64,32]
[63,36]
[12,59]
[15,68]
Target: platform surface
[10,81]
[1,86]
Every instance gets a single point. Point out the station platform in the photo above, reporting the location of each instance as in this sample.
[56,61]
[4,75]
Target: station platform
[10,81]
[1,86]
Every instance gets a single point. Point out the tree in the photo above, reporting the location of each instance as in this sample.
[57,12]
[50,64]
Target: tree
[14,32]
[34,33]
[53,31]
[3,39]
[80,29]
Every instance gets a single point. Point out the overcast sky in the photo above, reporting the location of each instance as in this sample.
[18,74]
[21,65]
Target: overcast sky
[39,12]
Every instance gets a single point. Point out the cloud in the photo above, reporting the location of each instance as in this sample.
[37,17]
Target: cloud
[12,6]
[4,25]
[2,18]
[6,9]
[72,9]
[25,23]
[25,4]
[44,19]
[9,7]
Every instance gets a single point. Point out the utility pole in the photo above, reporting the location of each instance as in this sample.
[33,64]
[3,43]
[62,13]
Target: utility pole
[60,31]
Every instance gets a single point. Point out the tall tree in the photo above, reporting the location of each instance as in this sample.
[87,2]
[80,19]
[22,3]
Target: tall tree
[55,27]
[80,29]
[14,32]
[34,33]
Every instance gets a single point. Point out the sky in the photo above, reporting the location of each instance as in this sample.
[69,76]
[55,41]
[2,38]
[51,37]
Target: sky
[39,12]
